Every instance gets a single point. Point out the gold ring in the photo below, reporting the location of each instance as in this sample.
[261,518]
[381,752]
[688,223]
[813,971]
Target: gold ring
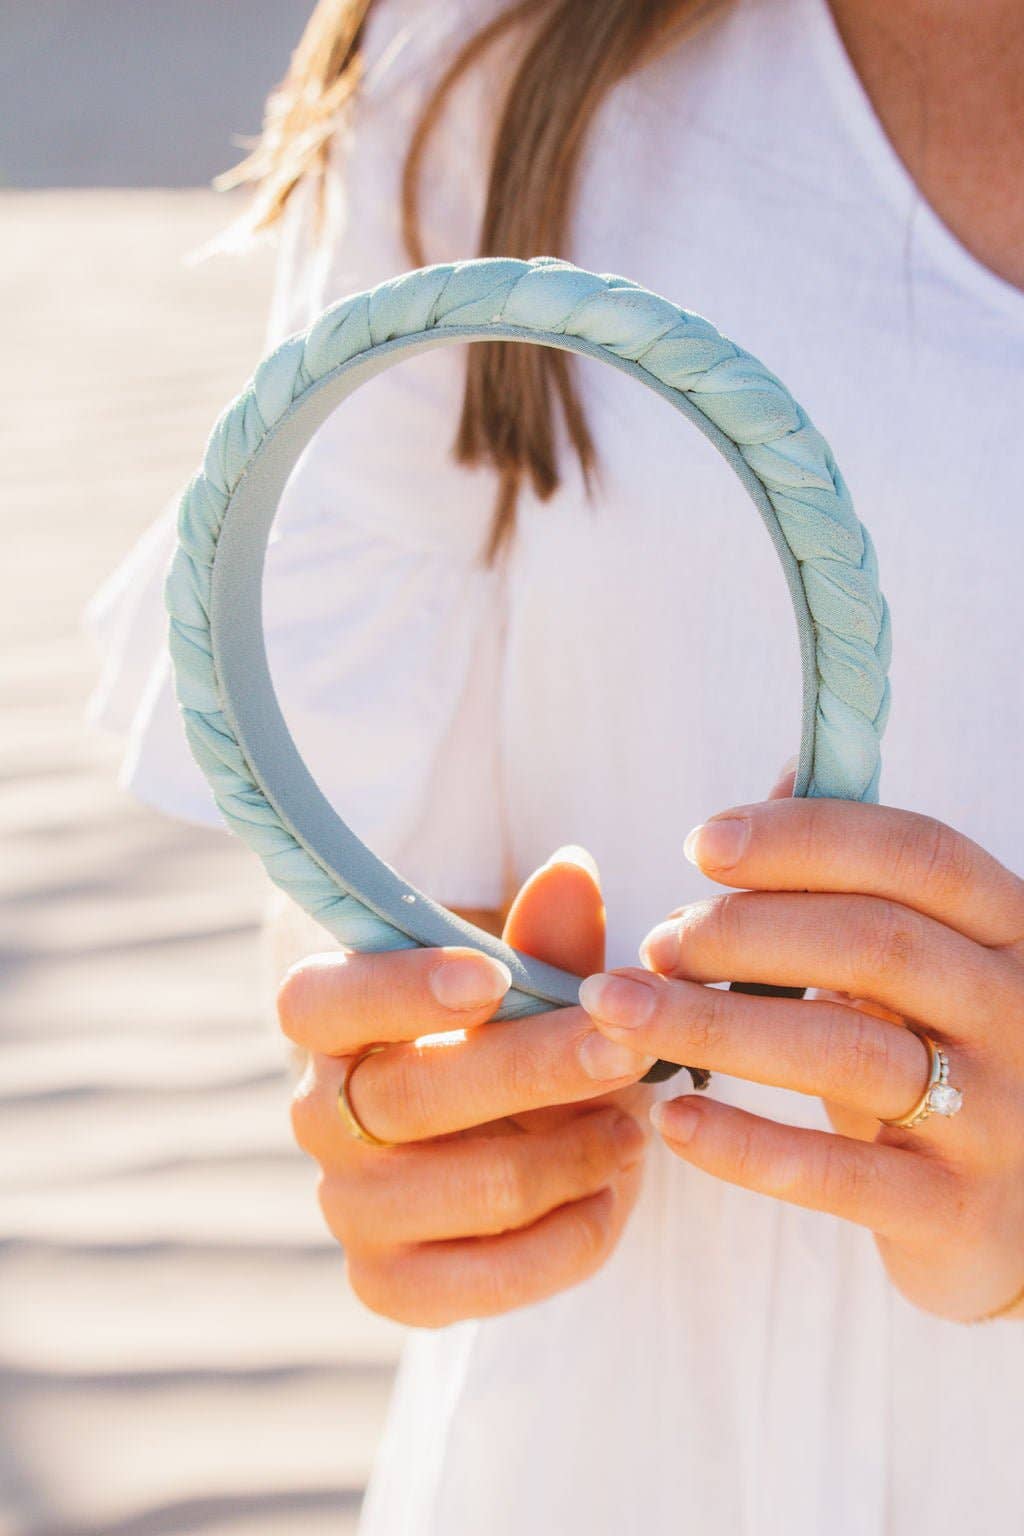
[939,1096]
[345,1110]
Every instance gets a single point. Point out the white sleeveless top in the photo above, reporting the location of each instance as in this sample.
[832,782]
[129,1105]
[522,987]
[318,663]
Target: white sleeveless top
[740,1367]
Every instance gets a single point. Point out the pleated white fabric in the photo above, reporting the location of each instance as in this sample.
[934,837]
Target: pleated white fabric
[740,1367]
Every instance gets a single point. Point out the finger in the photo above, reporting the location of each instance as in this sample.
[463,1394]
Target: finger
[857,944]
[635,1099]
[895,1193]
[337,1002]
[844,845]
[453,1082]
[826,1048]
[558,915]
[434,1284]
[479,1185]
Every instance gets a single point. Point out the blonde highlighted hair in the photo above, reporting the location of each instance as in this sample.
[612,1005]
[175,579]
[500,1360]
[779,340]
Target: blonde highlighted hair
[572,53]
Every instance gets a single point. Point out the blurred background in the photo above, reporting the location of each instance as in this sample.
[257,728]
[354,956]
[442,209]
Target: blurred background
[179,1351]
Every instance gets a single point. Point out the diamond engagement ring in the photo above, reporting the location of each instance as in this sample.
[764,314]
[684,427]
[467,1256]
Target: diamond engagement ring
[939,1096]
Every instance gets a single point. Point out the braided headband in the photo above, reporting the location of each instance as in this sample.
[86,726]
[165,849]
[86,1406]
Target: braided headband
[232,717]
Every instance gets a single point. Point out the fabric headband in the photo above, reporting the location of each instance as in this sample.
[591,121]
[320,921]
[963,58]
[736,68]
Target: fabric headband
[213,592]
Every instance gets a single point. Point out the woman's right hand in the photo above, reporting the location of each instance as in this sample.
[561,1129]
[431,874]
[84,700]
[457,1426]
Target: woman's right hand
[519,1143]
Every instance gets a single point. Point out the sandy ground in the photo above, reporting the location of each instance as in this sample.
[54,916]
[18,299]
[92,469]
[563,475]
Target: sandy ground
[178,1349]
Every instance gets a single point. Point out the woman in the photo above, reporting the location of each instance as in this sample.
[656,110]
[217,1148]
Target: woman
[760,1319]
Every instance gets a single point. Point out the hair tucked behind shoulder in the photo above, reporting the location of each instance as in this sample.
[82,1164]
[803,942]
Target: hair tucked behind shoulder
[573,52]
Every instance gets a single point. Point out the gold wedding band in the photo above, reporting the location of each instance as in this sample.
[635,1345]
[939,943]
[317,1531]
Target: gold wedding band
[352,1121]
[939,1096]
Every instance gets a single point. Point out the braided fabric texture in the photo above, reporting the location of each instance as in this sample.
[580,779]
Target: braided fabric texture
[679,349]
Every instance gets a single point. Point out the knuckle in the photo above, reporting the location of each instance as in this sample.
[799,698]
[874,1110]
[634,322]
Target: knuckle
[711,930]
[591,1157]
[408,1289]
[887,939]
[505,1188]
[363,1281]
[371,981]
[698,925]
[331,1198]
[846,1181]
[749,1162]
[857,1050]
[527,1065]
[705,1021]
[948,1214]
[497,1285]
[393,1095]
[939,858]
[294,1001]
[589,1224]
[722,922]
[813,829]
[377,1284]
[304,1113]
[1014,937]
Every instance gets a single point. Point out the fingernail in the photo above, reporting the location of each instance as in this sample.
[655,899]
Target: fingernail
[617,1000]
[675,1119]
[720,844]
[660,950]
[603,1059]
[572,853]
[470,981]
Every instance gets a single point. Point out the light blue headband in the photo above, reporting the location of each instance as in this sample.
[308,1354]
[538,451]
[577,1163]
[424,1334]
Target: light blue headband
[232,717]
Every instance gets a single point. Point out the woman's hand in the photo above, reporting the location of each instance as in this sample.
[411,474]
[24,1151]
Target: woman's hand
[896,917]
[519,1143]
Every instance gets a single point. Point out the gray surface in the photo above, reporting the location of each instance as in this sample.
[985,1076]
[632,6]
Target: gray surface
[136,93]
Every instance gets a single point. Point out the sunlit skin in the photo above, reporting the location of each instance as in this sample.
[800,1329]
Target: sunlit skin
[516,1167]
[857,902]
[520,1143]
[946,80]
[516,1170]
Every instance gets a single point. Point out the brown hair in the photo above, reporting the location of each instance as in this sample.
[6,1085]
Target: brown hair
[574,52]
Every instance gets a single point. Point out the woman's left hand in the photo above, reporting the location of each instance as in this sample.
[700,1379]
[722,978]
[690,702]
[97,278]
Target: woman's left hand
[890,916]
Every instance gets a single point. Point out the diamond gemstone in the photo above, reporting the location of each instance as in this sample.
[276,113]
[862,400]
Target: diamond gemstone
[945,1100]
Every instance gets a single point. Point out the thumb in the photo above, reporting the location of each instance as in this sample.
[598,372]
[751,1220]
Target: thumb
[558,914]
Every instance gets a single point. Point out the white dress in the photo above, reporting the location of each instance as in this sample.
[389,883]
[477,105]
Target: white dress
[740,1367]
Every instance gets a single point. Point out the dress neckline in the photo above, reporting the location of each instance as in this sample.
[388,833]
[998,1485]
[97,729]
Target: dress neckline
[903,194]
